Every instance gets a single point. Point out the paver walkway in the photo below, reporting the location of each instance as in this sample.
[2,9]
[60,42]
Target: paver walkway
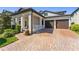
[65,40]
[58,40]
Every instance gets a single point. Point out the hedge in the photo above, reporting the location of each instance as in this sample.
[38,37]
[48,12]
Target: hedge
[75,27]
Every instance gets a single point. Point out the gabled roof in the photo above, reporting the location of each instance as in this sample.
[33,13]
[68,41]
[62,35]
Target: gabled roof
[75,11]
[58,12]
[59,16]
[21,10]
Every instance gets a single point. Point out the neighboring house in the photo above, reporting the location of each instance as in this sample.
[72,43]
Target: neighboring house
[75,16]
[32,20]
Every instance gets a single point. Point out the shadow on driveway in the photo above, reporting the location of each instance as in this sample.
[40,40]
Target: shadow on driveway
[46,30]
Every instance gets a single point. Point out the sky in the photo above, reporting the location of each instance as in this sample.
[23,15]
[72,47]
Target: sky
[68,9]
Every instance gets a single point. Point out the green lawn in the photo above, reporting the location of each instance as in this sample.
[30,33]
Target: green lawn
[6,41]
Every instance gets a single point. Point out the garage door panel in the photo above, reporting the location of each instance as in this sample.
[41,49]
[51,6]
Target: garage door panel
[62,24]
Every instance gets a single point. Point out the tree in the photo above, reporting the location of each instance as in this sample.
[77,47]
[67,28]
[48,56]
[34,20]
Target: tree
[1,25]
[6,19]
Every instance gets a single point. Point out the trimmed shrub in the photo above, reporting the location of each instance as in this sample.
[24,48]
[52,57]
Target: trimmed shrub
[8,30]
[11,30]
[15,31]
[18,28]
[13,27]
[72,23]
[7,34]
[75,27]
[1,31]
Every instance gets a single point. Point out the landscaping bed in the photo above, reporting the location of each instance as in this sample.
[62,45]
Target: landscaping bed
[6,41]
[75,28]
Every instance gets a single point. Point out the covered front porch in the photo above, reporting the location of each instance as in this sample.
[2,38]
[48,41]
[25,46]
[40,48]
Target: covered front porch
[30,21]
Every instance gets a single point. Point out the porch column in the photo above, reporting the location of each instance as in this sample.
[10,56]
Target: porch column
[41,23]
[22,24]
[30,23]
[16,20]
[54,24]
[69,22]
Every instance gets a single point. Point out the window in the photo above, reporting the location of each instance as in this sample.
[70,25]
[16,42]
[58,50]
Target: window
[45,14]
[14,21]
[25,23]
[36,20]
[42,22]
[19,21]
[76,13]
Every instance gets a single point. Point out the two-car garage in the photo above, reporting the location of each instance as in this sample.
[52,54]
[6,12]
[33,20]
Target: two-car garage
[60,24]
[57,22]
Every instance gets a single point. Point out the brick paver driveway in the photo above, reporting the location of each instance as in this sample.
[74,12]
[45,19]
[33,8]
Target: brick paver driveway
[60,39]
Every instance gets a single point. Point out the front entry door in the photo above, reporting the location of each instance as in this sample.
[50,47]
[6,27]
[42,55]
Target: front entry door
[49,24]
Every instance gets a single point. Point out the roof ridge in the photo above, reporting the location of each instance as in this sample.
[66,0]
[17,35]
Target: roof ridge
[54,11]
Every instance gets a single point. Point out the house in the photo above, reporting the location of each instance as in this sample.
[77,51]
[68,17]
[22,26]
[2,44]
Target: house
[56,20]
[32,20]
[29,19]
[75,16]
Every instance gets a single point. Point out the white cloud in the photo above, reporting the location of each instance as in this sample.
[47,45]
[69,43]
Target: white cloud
[44,3]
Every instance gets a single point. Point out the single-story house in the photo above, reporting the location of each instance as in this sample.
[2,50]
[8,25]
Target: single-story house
[28,19]
[32,20]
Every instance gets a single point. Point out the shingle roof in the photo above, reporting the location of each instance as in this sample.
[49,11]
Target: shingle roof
[59,16]
[21,10]
[75,11]
[58,12]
